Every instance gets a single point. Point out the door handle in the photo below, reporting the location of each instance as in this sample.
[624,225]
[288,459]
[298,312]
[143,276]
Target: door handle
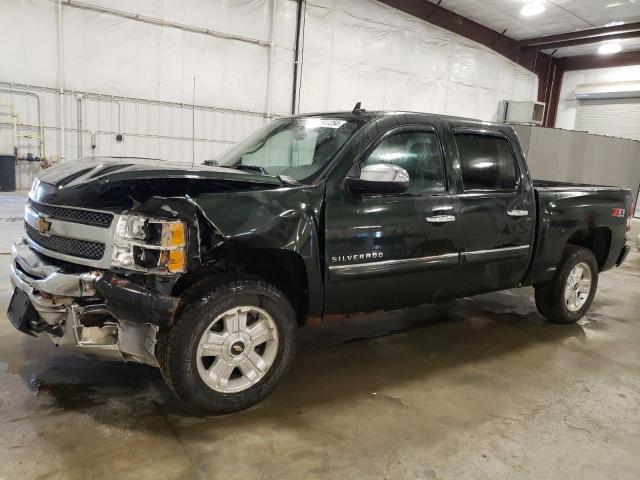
[441,219]
[518,213]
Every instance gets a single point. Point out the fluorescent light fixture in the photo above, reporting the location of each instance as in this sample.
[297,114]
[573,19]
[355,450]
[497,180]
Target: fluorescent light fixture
[532,8]
[614,24]
[609,48]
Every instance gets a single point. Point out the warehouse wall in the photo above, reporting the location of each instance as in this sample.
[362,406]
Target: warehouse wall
[363,50]
[148,68]
[132,72]
[568,105]
[578,157]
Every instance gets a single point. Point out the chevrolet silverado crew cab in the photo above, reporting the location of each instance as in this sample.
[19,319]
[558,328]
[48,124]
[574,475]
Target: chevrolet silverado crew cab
[207,272]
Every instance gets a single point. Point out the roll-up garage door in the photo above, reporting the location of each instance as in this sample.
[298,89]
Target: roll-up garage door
[615,117]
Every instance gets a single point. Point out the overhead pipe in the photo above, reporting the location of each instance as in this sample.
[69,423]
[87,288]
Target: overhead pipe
[160,22]
[296,56]
[272,28]
[61,149]
[548,87]
[14,126]
[120,98]
[79,122]
[11,91]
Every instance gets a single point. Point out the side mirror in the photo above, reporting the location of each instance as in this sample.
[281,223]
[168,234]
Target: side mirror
[380,178]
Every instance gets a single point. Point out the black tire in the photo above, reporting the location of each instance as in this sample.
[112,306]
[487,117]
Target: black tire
[542,296]
[177,347]
[550,297]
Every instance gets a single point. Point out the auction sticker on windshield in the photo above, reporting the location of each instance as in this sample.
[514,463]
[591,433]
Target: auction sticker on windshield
[324,122]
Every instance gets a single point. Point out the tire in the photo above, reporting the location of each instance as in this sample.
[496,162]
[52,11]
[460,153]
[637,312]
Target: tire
[555,301]
[186,366]
[542,295]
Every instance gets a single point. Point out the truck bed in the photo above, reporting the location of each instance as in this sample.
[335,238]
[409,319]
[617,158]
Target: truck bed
[551,185]
[578,214]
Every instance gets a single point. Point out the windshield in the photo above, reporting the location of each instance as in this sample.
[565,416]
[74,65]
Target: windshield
[292,147]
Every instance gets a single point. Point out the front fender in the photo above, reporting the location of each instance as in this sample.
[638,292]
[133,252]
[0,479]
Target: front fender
[280,219]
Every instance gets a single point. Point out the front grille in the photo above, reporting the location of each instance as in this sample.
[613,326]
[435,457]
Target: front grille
[86,217]
[67,246]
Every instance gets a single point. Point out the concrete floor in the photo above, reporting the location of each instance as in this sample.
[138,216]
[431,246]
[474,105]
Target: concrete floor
[477,388]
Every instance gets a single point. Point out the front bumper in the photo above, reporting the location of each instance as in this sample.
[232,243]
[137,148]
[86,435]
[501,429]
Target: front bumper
[92,311]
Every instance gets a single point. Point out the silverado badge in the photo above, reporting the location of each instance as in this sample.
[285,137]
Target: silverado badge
[42,225]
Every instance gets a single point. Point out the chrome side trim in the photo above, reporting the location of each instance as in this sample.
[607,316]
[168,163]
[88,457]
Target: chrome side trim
[476,255]
[355,267]
[495,254]
[495,250]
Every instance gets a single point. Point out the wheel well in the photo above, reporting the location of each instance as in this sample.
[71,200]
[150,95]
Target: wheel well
[286,271]
[598,240]
[283,269]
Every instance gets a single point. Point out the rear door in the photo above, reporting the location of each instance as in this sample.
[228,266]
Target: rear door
[497,210]
[392,250]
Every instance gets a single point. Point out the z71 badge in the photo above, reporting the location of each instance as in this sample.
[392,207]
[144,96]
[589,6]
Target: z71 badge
[356,257]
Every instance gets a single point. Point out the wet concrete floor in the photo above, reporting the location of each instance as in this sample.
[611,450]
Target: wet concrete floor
[476,388]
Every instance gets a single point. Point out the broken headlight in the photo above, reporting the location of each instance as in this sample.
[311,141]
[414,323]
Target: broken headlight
[149,244]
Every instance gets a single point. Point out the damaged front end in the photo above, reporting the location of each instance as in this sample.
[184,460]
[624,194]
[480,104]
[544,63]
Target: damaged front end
[96,268]
[109,248]
[96,312]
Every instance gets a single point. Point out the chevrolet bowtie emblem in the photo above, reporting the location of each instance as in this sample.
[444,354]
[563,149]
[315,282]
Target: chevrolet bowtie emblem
[42,225]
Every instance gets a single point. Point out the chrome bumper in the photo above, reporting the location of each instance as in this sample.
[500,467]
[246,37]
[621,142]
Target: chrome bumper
[56,295]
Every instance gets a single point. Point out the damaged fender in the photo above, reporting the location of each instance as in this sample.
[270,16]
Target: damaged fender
[279,219]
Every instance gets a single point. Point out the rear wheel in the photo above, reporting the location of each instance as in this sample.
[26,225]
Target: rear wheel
[569,295]
[229,347]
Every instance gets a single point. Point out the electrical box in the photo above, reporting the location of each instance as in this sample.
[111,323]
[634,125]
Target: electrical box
[529,113]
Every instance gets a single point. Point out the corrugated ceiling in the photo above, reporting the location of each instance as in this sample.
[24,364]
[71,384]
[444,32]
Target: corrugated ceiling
[560,16]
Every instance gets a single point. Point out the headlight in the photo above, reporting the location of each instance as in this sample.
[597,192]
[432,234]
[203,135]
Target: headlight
[149,244]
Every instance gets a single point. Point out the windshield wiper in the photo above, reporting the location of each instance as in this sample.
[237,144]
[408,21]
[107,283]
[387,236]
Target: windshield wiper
[288,180]
[249,168]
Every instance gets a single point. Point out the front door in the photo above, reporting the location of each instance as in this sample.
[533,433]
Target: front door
[393,250]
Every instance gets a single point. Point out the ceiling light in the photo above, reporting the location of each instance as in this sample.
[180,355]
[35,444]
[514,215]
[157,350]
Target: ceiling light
[614,24]
[532,8]
[609,48]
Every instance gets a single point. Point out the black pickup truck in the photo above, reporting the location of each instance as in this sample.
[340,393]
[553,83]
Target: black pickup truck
[207,272]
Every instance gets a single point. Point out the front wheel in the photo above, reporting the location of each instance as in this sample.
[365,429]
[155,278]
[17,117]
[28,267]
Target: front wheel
[569,295]
[229,347]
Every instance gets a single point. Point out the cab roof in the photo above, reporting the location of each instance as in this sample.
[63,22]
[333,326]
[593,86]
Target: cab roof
[375,114]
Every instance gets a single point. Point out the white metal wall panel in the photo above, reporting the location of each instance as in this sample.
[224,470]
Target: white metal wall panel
[612,117]
[360,50]
[135,77]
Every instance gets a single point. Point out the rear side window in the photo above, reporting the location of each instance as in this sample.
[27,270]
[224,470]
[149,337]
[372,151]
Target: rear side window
[487,162]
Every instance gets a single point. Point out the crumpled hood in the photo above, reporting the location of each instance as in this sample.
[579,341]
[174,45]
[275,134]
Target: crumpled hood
[119,183]
[72,174]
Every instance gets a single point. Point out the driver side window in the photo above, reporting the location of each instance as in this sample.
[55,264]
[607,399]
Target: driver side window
[417,152]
